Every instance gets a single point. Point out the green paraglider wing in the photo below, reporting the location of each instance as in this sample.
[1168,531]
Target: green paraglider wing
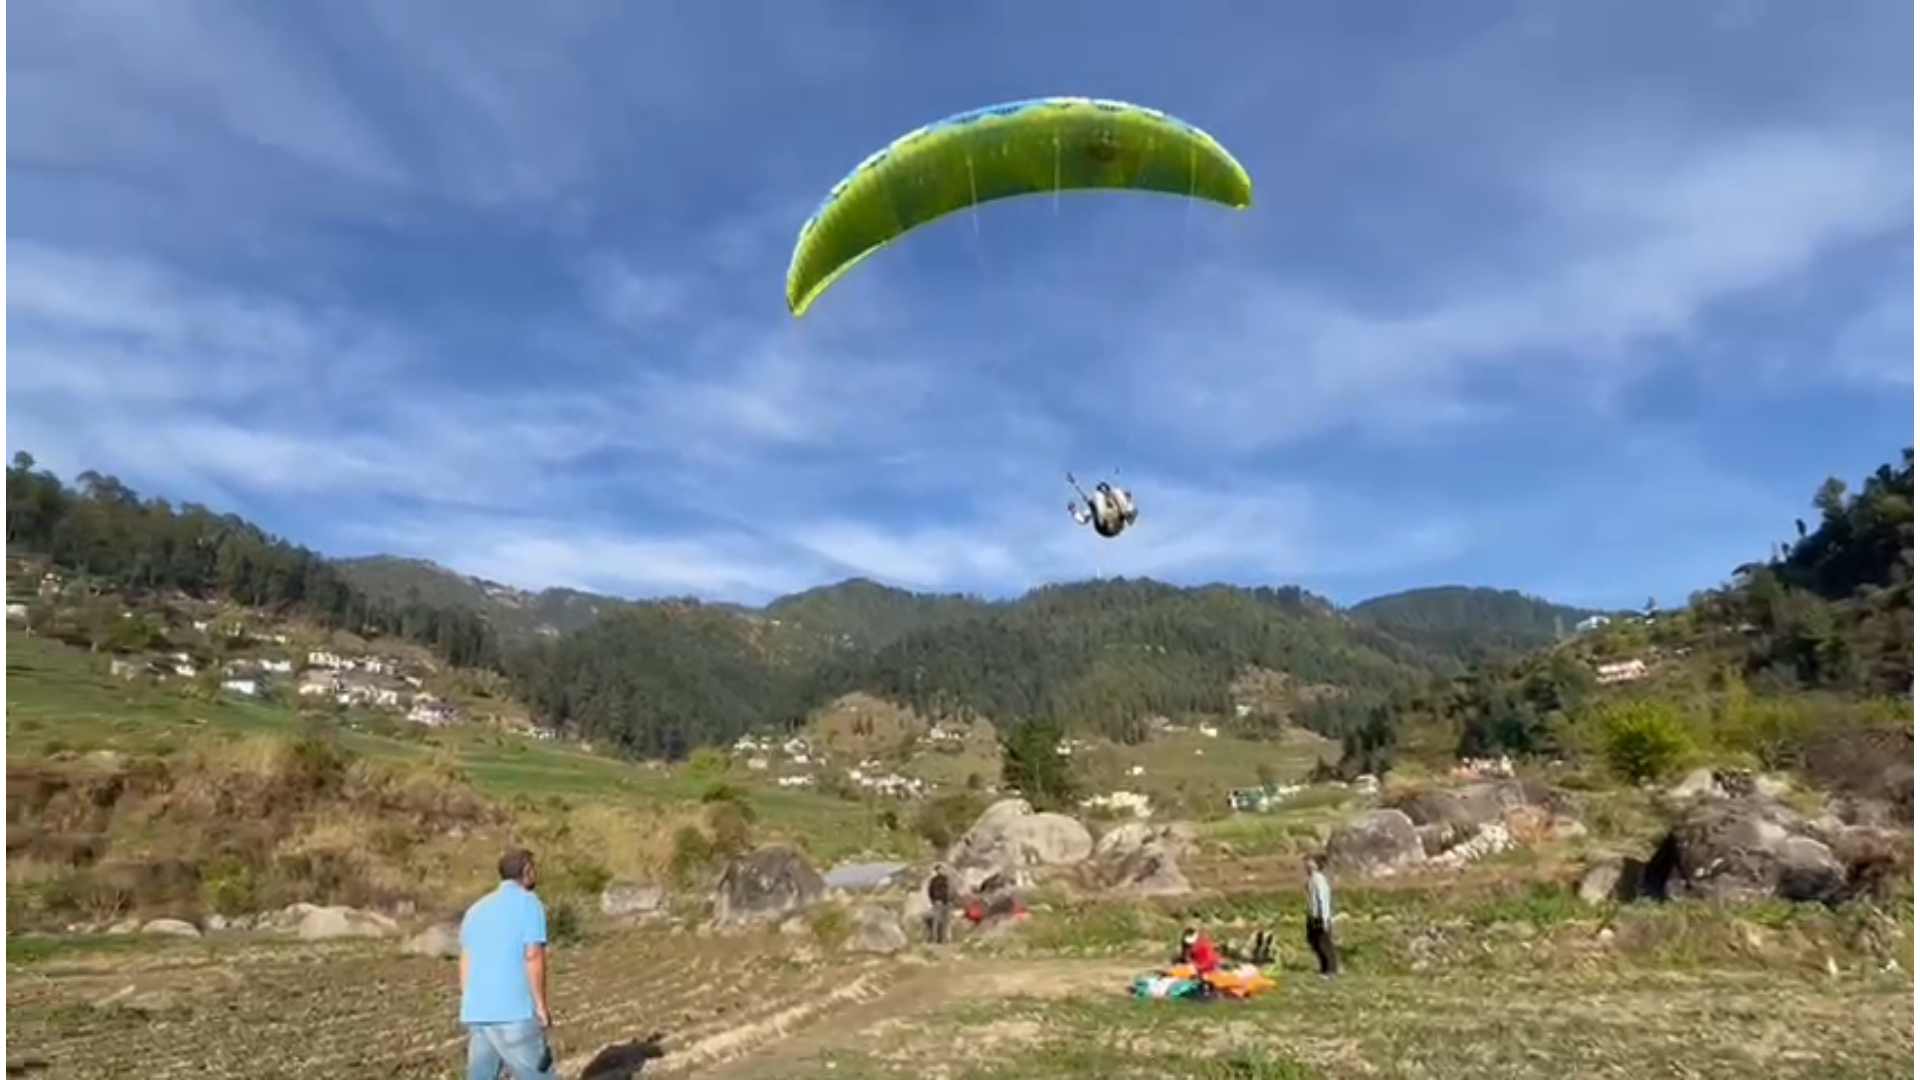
[1020,148]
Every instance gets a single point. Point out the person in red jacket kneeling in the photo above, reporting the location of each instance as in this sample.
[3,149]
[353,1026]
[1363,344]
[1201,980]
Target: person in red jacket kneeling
[1197,950]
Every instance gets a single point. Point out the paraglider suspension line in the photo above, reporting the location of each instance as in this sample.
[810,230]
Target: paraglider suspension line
[1075,484]
[1186,215]
[1056,176]
[973,199]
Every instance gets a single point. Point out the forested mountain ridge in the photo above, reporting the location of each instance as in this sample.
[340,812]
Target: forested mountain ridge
[516,614]
[1462,621]
[862,614]
[1474,623]
[659,677]
[105,531]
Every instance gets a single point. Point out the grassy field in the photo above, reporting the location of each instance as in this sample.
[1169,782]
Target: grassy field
[1494,972]
[1468,983]
[1436,1027]
[391,811]
[604,817]
[1183,771]
[61,699]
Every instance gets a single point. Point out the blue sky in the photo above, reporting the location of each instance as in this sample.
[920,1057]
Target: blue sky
[1583,299]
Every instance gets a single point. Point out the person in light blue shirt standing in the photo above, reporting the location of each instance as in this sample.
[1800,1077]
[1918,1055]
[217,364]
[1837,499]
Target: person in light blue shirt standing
[503,978]
[1320,918]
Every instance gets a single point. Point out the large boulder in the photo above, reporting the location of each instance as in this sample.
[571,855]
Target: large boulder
[1446,816]
[171,928]
[1744,849]
[1177,837]
[766,885]
[1738,850]
[1375,843]
[331,923]
[1009,835]
[1141,859]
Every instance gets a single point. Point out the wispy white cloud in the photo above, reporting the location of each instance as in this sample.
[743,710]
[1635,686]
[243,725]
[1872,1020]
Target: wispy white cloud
[1876,345]
[502,288]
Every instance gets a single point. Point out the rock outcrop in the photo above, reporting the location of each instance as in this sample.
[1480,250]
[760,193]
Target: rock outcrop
[1375,843]
[766,885]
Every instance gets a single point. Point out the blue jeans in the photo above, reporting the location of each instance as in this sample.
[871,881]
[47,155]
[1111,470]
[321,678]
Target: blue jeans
[519,1046]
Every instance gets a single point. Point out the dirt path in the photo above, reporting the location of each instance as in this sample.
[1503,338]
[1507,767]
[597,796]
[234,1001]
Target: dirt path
[762,1050]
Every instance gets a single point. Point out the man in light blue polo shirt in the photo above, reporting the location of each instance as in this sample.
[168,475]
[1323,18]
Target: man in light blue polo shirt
[503,978]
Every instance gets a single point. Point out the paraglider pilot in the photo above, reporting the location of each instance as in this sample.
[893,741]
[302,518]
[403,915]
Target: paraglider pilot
[1109,509]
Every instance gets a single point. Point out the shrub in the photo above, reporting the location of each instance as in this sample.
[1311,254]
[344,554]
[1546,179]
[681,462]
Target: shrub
[732,826]
[564,923]
[692,856]
[722,792]
[1642,740]
[707,763]
[945,818]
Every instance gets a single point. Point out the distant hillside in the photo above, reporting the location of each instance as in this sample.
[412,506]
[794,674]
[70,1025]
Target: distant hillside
[1109,655]
[105,532]
[1803,661]
[515,614]
[863,614]
[661,676]
[1474,624]
[1103,657]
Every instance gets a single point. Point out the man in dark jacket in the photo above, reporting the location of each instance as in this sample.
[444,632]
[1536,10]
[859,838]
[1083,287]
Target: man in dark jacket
[940,904]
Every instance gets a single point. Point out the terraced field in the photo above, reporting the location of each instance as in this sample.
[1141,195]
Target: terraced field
[773,1006]
[275,1010]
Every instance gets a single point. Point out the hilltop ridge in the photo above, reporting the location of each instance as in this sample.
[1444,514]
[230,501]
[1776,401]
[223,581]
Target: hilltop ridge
[661,677]
[862,611]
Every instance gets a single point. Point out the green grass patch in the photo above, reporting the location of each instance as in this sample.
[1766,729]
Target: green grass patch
[1546,1024]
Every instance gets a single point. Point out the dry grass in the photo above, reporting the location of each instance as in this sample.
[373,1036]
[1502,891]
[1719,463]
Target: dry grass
[1495,972]
[1552,1025]
[238,827]
[305,1010]
[127,799]
[737,1008]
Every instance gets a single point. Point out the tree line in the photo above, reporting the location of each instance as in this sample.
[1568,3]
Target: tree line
[102,529]
[659,679]
[1100,658]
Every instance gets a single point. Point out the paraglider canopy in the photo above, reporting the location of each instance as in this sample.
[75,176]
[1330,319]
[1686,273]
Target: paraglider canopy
[1018,148]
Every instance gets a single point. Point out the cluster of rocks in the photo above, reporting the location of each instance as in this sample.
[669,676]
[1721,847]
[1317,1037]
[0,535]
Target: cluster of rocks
[1735,837]
[309,922]
[1008,849]
[1448,828]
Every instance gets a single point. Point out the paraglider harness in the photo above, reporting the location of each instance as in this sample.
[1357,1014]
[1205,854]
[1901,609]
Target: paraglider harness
[1109,509]
[1259,951]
